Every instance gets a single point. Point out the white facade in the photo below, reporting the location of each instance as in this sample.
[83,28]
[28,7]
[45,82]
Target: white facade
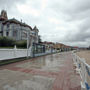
[15,29]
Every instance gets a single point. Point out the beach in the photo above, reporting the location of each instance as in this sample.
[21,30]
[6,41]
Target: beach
[85,54]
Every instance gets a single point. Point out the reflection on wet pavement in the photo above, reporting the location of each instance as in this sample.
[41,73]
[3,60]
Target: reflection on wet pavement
[22,81]
[35,83]
[50,63]
[51,72]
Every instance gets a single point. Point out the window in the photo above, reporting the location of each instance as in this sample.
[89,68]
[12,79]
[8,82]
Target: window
[7,33]
[7,25]
[1,27]
[14,33]
[24,35]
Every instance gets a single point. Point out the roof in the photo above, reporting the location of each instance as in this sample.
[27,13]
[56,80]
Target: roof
[2,18]
[3,15]
[47,42]
[16,22]
[35,28]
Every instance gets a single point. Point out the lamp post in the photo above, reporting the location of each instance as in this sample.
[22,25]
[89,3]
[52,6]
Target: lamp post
[27,43]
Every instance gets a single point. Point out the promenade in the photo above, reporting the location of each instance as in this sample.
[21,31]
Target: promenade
[50,72]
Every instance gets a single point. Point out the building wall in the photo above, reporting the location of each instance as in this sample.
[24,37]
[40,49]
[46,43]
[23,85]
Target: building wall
[15,31]
[0,26]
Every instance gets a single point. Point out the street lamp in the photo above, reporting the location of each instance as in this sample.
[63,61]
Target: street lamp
[27,43]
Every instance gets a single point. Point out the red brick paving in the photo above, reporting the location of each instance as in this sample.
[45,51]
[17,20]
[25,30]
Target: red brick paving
[62,81]
[34,72]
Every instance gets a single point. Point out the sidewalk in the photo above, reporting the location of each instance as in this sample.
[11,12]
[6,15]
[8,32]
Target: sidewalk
[51,72]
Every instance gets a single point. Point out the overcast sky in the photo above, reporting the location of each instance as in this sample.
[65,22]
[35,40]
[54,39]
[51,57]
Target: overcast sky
[65,21]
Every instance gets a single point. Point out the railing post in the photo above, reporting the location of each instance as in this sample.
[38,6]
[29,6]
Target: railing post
[81,67]
[83,74]
[15,51]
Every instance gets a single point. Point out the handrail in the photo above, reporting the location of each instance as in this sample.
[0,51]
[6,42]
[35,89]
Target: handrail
[84,70]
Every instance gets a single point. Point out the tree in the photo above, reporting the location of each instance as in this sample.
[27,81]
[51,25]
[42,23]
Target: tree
[39,39]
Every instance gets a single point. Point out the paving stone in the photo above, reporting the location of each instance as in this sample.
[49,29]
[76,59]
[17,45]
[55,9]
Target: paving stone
[51,72]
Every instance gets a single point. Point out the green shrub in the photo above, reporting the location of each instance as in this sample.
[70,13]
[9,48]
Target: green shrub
[9,42]
[6,42]
[21,44]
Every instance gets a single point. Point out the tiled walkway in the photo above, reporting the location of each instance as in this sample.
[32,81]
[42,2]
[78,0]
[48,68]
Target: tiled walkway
[51,72]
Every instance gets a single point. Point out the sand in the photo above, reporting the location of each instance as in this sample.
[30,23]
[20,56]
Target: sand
[85,54]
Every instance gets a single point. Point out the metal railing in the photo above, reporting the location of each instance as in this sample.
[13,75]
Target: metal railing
[84,70]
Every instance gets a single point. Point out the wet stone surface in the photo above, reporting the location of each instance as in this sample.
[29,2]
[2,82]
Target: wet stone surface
[27,82]
[48,63]
[51,72]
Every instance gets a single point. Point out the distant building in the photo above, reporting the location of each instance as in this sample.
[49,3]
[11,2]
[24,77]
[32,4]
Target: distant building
[62,47]
[49,46]
[16,29]
[59,46]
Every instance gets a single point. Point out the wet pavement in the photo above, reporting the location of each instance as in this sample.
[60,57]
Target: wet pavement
[51,72]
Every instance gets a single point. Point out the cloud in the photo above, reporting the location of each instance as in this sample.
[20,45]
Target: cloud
[8,4]
[24,9]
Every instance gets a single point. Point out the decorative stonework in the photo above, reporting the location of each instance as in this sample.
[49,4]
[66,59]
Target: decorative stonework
[3,15]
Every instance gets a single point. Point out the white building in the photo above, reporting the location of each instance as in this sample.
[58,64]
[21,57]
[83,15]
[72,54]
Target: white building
[15,29]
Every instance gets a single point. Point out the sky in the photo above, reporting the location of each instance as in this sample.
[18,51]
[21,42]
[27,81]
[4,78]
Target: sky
[63,21]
